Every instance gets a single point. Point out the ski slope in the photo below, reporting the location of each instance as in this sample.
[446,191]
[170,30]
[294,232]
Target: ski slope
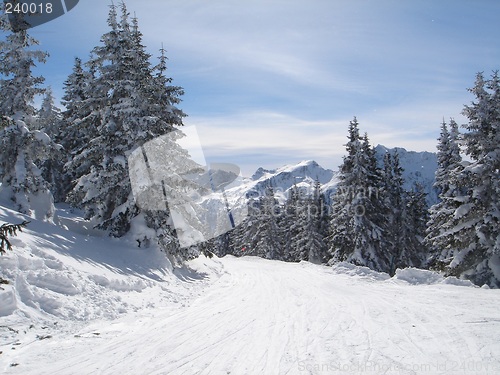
[232,315]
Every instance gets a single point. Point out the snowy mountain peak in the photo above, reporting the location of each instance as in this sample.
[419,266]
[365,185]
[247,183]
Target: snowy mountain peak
[259,173]
[285,177]
[419,167]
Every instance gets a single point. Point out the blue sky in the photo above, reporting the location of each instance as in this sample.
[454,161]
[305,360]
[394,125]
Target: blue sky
[273,82]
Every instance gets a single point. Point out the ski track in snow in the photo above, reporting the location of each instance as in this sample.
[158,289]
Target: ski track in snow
[267,317]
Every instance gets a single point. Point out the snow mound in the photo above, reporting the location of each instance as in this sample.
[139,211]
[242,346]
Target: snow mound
[8,301]
[55,273]
[417,276]
[412,276]
[359,271]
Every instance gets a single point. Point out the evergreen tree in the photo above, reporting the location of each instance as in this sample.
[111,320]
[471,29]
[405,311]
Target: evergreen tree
[291,225]
[18,85]
[79,117]
[448,155]
[52,167]
[165,96]
[394,200]
[416,216]
[126,97]
[21,147]
[357,225]
[340,238]
[439,237]
[219,246]
[370,220]
[243,238]
[405,219]
[475,224]
[268,233]
[49,116]
[309,239]
[22,182]
[123,108]
[79,127]
[9,230]
[94,165]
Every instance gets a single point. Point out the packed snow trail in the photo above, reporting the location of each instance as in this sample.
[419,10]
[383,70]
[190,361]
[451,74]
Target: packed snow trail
[269,317]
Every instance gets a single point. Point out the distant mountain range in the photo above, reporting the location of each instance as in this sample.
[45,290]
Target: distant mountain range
[419,167]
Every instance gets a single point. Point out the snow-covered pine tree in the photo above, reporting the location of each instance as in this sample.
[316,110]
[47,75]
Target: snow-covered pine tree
[318,255]
[104,191]
[308,239]
[49,120]
[133,107]
[340,240]
[79,127]
[357,225]
[243,238]
[291,225]
[439,238]
[406,217]
[324,219]
[415,223]
[370,227]
[219,246]
[268,234]
[448,155]
[49,116]
[18,85]
[22,182]
[476,221]
[394,201]
[20,147]
[79,120]
[9,230]
[165,96]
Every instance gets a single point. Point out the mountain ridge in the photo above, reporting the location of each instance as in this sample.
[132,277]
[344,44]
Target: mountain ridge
[419,167]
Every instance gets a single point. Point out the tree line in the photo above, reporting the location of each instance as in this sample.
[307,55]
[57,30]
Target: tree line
[374,222]
[371,221]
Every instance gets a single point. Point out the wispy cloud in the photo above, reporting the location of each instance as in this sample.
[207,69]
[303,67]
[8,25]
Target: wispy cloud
[273,139]
[270,139]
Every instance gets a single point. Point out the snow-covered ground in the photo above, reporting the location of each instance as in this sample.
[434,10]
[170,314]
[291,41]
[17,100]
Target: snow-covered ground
[80,304]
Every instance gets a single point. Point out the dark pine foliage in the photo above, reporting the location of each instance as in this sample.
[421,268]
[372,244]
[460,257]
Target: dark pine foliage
[9,230]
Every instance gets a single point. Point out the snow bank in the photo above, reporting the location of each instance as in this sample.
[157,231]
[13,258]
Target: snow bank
[417,276]
[8,303]
[63,274]
[359,271]
[413,276]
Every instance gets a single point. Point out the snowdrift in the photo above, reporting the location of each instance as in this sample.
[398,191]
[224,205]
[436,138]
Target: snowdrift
[62,274]
[413,276]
